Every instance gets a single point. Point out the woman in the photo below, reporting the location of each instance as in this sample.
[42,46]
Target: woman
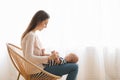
[32,48]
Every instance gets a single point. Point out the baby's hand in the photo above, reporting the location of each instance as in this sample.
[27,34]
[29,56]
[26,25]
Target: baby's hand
[57,60]
[53,55]
[56,56]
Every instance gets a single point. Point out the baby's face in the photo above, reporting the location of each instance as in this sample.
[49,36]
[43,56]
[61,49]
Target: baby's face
[68,58]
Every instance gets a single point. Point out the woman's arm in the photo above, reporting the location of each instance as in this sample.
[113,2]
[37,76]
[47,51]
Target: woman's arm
[28,49]
[43,52]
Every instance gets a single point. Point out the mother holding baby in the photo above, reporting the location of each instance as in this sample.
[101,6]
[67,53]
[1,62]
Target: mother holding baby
[32,48]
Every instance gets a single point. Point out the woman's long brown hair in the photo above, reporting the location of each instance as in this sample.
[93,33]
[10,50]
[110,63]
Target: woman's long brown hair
[37,18]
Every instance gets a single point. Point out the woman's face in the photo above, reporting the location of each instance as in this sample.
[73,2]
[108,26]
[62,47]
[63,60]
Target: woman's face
[42,25]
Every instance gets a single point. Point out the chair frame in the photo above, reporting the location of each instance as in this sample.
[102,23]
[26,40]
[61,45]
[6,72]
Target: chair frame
[55,77]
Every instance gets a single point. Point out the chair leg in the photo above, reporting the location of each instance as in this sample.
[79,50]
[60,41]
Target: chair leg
[18,76]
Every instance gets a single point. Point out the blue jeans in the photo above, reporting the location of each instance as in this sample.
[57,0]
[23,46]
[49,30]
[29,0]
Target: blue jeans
[69,68]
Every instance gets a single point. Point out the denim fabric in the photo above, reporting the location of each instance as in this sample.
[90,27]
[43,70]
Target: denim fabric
[69,68]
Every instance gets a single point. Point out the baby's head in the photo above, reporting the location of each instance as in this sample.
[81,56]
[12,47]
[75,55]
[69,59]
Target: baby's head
[71,57]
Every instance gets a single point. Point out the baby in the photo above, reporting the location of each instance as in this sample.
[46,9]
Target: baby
[69,58]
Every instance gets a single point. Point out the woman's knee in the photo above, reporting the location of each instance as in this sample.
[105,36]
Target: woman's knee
[75,66]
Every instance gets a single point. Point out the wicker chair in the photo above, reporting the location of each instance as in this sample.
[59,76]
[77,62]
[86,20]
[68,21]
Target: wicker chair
[27,69]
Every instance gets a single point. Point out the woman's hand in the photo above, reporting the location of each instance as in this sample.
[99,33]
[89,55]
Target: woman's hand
[57,60]
[54,55]
[43,51]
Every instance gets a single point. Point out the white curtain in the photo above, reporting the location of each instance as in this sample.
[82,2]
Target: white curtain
[89,28]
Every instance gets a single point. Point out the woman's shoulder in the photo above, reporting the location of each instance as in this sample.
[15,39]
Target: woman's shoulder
[30,35]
